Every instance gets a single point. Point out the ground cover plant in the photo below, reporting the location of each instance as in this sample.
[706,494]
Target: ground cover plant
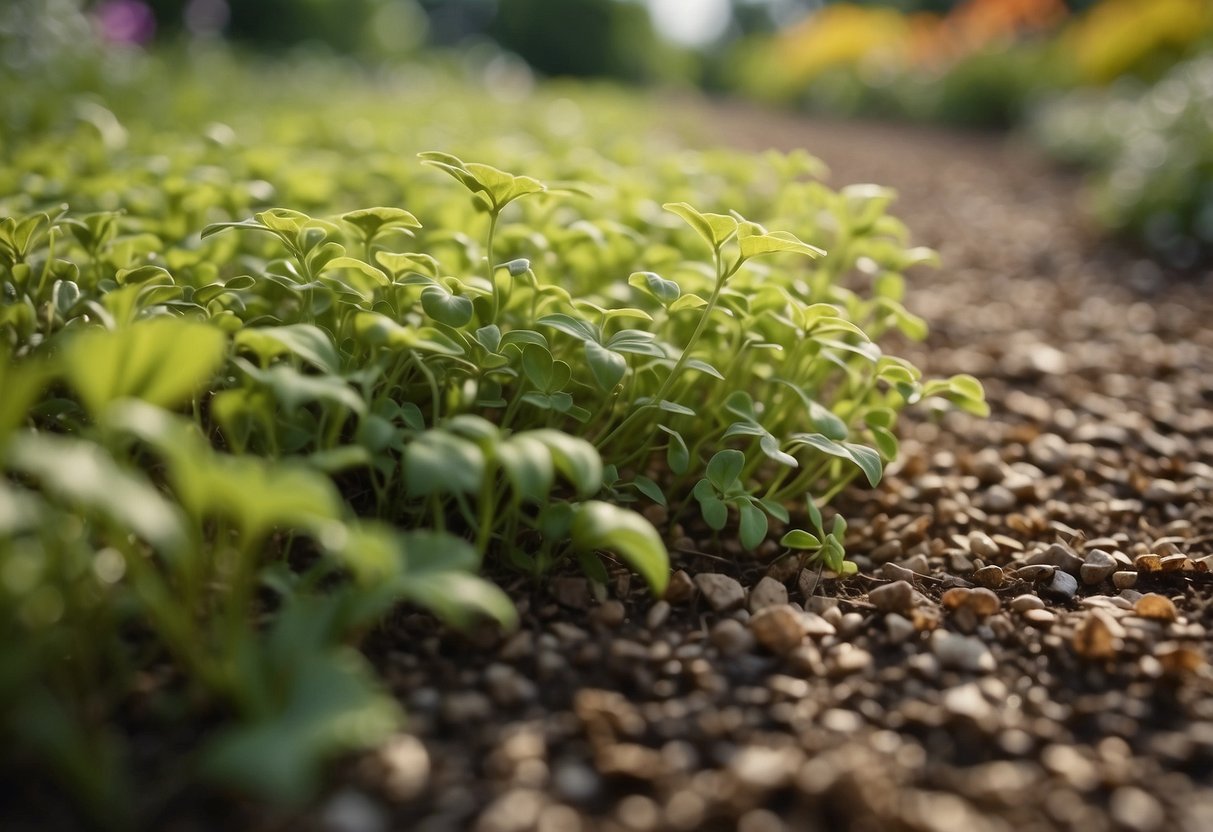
[277,360]
[1151,159]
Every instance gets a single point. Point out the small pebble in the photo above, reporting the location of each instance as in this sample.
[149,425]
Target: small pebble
[1136,810]
[895,597]
[1024,603]
[1097,567]
[1156,607]
[899,627]
[777,628]
[768,592]
[1062,587]
[680,589]
[722,592]
[1147,563]
[962,652]
[991,577]
[1040,618]
[731,637]
[982,545]
[1124,580]
[658,614]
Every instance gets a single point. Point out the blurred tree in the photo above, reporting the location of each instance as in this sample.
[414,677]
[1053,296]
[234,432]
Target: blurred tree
[587,37]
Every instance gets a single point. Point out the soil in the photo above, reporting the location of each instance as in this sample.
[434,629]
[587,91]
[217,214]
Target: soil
[1026,646]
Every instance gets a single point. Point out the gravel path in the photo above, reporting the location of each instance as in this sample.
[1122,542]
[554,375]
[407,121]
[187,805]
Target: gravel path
[1026,647]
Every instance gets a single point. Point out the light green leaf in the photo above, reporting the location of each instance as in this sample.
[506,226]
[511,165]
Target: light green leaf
[527,463]
[305,341]
[799,539]
[85,477]
[607,366]
[753,525]
[715,229]
[598,525]
[576,459]
[161,361]
[664,291]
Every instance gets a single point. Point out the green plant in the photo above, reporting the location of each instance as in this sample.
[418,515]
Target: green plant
[235,435]
[1149,156]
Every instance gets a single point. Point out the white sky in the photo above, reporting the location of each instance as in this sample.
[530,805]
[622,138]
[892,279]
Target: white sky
[690,22]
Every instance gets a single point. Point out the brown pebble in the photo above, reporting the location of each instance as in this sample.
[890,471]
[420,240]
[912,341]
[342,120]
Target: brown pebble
[1024,603]
[1040,618]
[657,615]
[680,589]
[610,614]
[1147,563]
[1174,563]
[1093,637]
[895,597]
[1178,659]
[1156,607]
[991,577]
[777,628]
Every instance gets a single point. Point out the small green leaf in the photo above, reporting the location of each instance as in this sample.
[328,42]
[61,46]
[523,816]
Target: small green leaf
[678,457]
[715,512]
[309,343]
[446,308]
[724,468]
[370,221]
[598,525]
[715,229]
[649,489]
[575,458]
[664,291]
[162,361]
[753,525]
[755,241]
[799,539]
[607,365]
[527,463]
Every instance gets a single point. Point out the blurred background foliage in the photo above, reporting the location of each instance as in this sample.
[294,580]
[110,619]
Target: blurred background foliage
[1071,71]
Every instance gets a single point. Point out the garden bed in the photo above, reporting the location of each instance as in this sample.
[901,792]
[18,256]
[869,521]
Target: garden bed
[1024,645]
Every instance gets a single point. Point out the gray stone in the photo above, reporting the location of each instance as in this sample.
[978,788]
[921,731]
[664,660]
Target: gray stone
[731,637]
[352,811]
[1097,567]
[895,597]
[768,592]
[658,614]
[1059,555]
[1062,587]
[961,652]
[720,591]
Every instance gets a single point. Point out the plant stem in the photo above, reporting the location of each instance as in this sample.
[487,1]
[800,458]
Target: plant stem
[492,269]
[721,277]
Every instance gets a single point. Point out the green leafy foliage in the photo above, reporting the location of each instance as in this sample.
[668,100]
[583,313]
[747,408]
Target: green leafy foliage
[252,430]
